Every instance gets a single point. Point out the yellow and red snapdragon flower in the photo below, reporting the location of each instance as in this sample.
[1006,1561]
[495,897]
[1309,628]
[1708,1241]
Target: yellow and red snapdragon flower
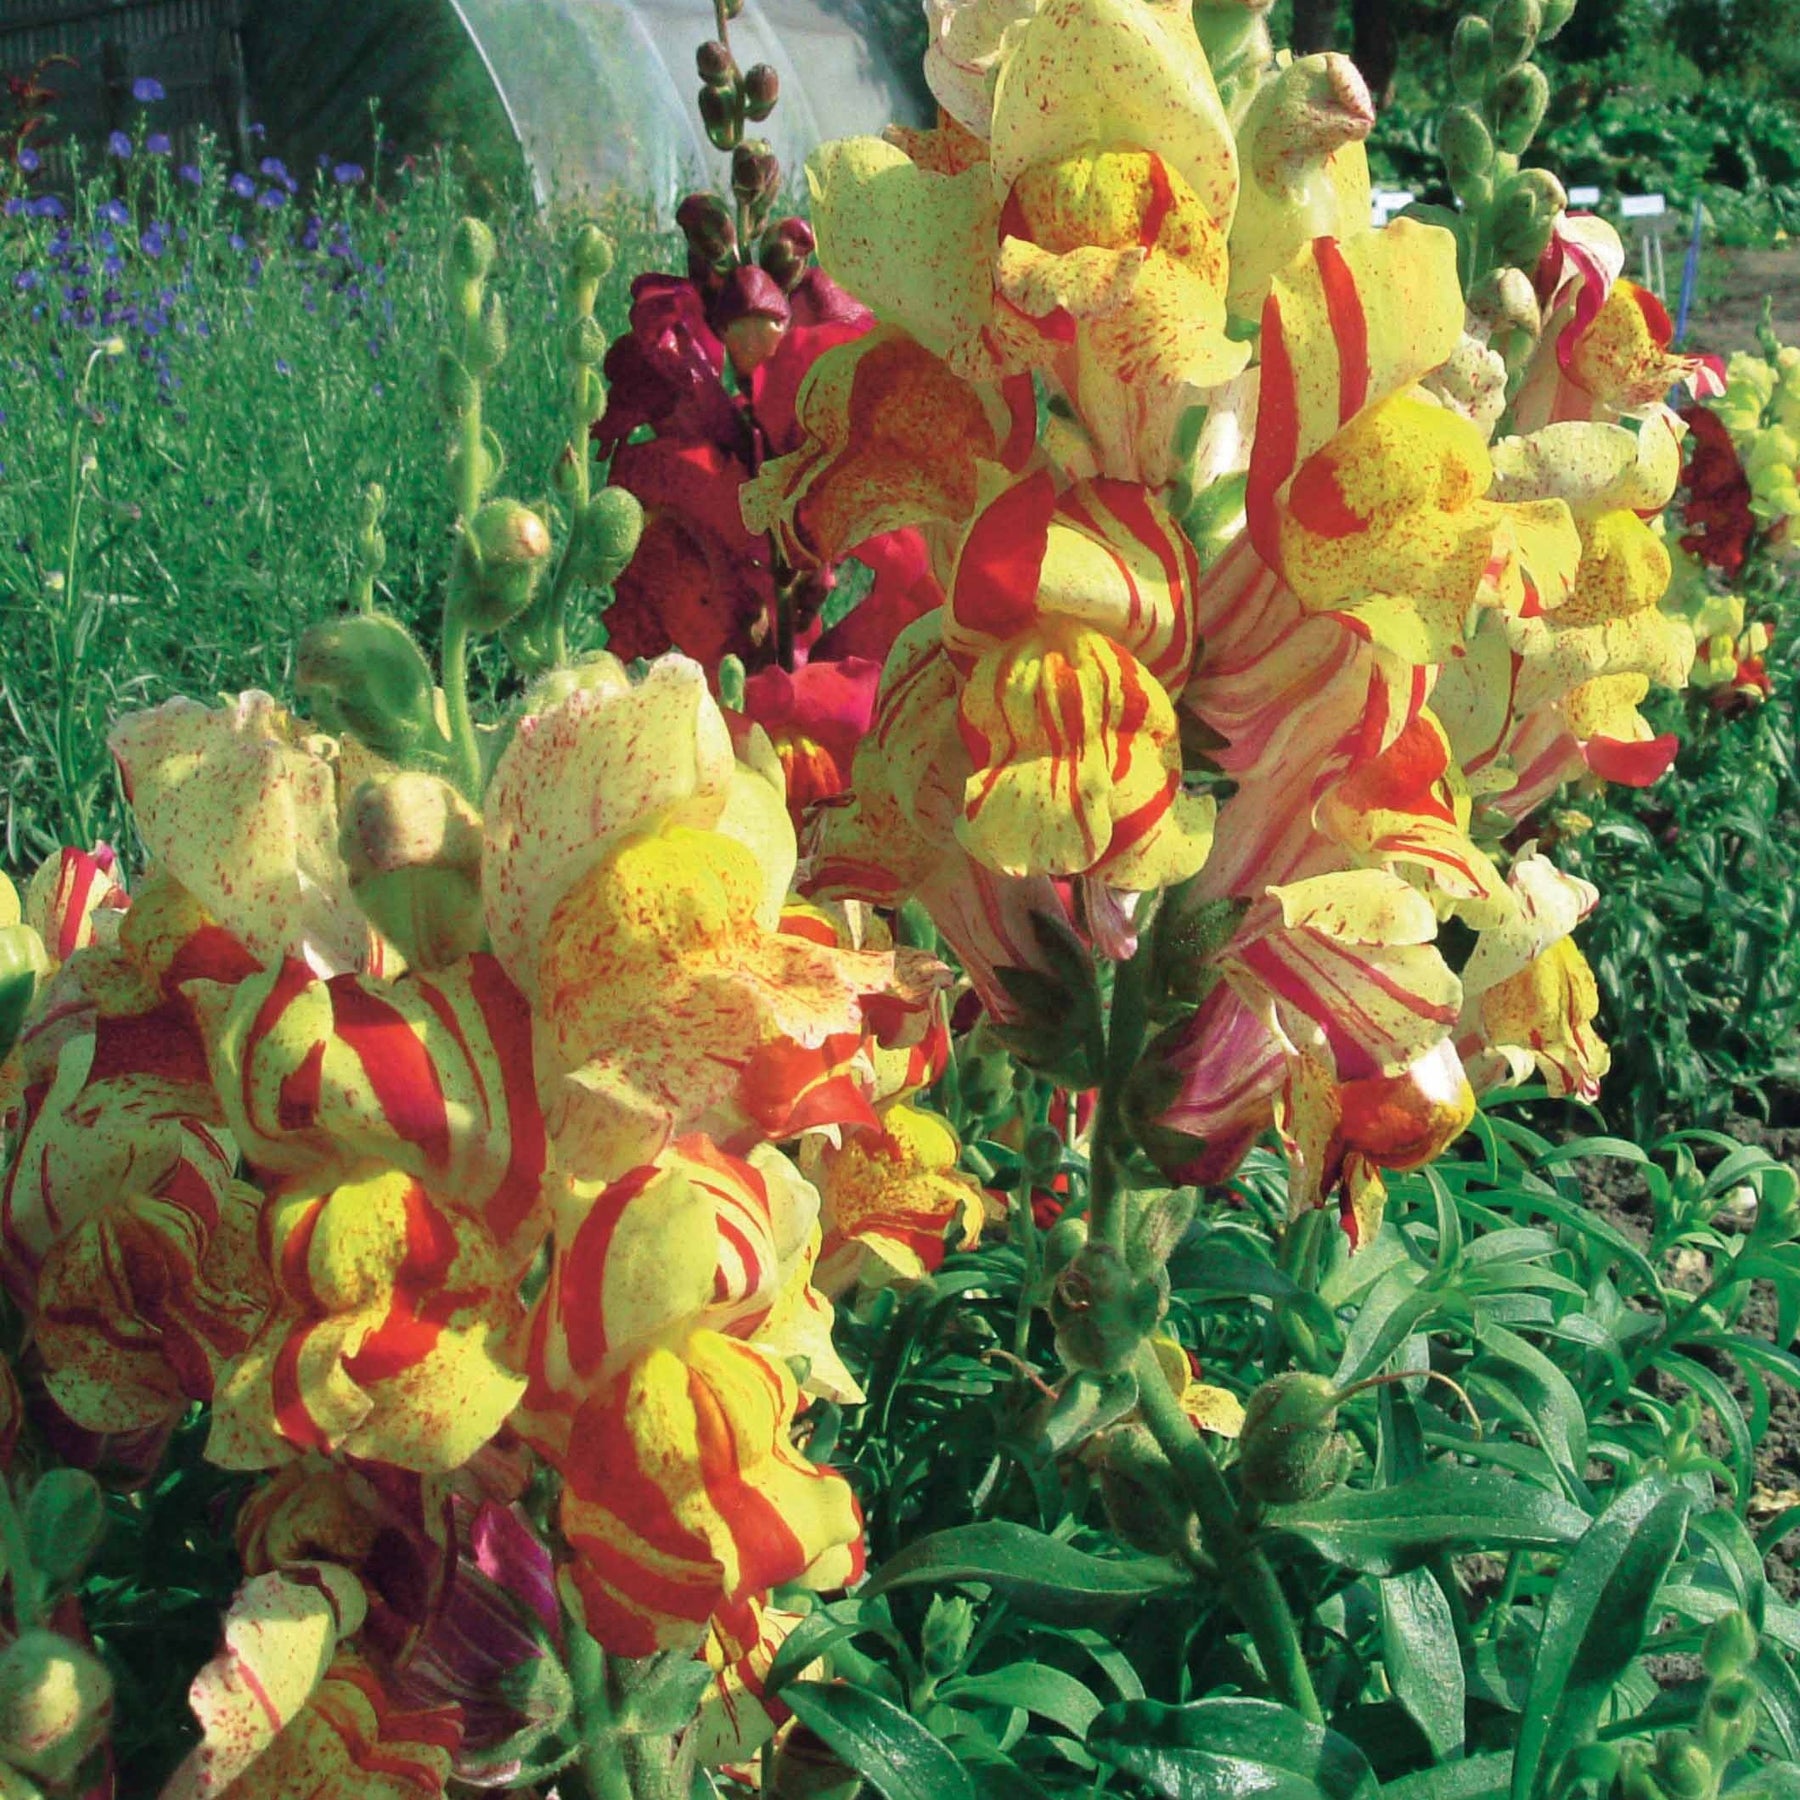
[661,1360]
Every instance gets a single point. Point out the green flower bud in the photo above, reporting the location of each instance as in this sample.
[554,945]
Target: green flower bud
[584,343]
[590,253]
[1557,13]
[1524,215]
[23,964]
[499,558]
[1103,1309]
[721,114]
[1519,103]
[607,535]
[762,88]
[1731,1644]
[1729,1718]
[55,1704]
[412,846]
[65,1519]
[1516,27]
[1471,57]
[1143,1499]
[1289,1449]
[944,1640]
[472,250]
[1464,144]
[488,338]
[1683,1770]
[1063,1242]
[457,389]
[1504,300]
[365,675]
[371,543]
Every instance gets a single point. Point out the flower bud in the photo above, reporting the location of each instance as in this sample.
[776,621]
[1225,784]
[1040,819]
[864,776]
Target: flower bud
[1557,13]
[1525,214]
[590,252]
[23,963]
[706,222]
[1731,1644]
[1143,1500]
[944,1641]
[65,1519]
[762,88]
[1516,27]
[607,536]
[366,675]
[499,558]
[1304,115]
[755,171]
[488,337]
[584,343]
[412,846]
[457,390]
[715,64]
[1289,1449]
[720,114]
[1504,300]
[1471,56]
[55,1704]
[786,252]
[1519,103]
[1103,1309]
[1683,1770]
[472,250]
[1464,144]
[371,544]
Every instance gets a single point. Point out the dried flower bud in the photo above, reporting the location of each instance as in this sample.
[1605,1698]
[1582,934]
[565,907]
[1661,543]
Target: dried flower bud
[55,1704]
[762,88]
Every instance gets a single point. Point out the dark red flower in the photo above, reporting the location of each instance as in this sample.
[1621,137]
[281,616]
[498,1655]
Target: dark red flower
[1717,508]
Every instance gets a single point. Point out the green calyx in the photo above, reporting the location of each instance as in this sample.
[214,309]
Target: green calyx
[365,675]
[1290,1449]
[1103,1308]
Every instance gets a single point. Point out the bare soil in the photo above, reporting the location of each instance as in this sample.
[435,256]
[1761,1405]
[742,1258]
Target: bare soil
[1733,287]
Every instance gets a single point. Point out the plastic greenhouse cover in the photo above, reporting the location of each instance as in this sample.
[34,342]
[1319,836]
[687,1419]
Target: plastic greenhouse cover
[601,92]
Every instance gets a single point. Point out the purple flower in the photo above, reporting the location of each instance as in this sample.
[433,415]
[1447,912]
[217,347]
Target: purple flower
[157,143]
[14,208]
[48,206]
[282,367]
[259,131]
[147,90]
[190,173]
[236,242]
[348,174]
[241,185]
[273,199]
[273,168]
[26,280]
[119,145]
[29,160]
[152,241]
[114,212]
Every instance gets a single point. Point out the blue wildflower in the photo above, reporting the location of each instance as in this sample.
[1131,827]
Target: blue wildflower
[13,208]
[29,160]
[26,280]
[152,240]
[190,173]
[114,212]
[48,206]
[273,199]
[157,143]
[236,242]
[147,90]
[348,174]
[281,366]
[119,145]
[241,185]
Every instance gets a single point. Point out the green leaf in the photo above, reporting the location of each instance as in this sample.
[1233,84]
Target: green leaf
[1230,1749]
[1042,1576]
[1422,1656]
[1034,1686]
[1383,1531]
[1539,1393]
[1594,1624]
[890,1749]
[1476,1778]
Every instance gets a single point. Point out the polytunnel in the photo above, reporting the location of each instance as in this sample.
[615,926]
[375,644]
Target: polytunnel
[595,96]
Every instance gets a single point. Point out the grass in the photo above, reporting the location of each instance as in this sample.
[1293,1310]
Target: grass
[278,340]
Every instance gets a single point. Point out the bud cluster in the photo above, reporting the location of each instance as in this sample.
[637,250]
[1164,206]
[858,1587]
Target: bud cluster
[1500,100]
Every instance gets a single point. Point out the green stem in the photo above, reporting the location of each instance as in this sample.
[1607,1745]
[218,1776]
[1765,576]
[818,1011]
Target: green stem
[1127,1021]
[465,754]
[1249,1581]
[603,1765]
[28,1593]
